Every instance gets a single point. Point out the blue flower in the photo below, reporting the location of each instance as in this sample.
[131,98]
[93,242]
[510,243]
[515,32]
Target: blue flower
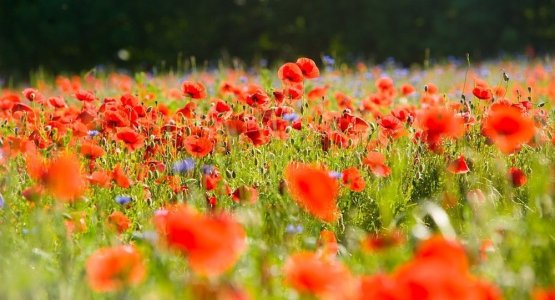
[207,169]
[292,117]
[328,60]
[184,166]
[123,200]
[335,174]
[93,133]
[2,202]
[291,229]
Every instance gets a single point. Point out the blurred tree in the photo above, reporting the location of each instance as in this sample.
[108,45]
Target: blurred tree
[74,35]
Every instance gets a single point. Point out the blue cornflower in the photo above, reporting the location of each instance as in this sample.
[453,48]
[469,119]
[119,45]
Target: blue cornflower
[123,200]
[328,60]
[93,133]
[2,202]
[291,117]
[335,174]
[207,169]
[292,229]
[184,166]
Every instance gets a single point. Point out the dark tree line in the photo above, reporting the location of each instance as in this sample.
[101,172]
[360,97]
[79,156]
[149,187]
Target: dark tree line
[74,35]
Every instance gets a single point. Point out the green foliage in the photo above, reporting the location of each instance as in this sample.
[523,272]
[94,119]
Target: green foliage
[70,35]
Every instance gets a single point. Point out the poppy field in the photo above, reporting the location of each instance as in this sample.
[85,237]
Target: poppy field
[311,180]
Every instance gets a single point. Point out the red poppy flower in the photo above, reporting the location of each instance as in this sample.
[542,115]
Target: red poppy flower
[391,127]
[257,98]
[407,89]
[508,127]
[380,287]
[437,123]
[33,193]
[293,92]
[384,84]
[37,167]
[57,102]
[120,177]
[320,276]
[195,90]
[352,124]
[245,194]
[211,179]
[100,178]
[63,178]
[290,72]
[328,243]
[340,139]
[188,111]
[318,92]
[278,96]
[313,189]
[352,178]
[119,221]
[450,252]
[439,270]
[258,137]
[212,243]
[85,96]
[434,279]
[376,162]
[482,93]
[383,240]
[132,139]
[111,269]
[115,118]
[344,101]
[198,146]
[431,88]
[220,106]
[458,166]
[32,94]
[91,150]
[308,67]
[544,294]
[518,178]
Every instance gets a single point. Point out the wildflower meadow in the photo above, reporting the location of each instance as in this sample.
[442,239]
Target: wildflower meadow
[311,179]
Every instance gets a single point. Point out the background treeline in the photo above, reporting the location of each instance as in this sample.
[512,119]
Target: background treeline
[75,35]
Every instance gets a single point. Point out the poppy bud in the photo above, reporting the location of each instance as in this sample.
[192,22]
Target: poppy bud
[282,187]
[326,142]
[517,176]
[410,119]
